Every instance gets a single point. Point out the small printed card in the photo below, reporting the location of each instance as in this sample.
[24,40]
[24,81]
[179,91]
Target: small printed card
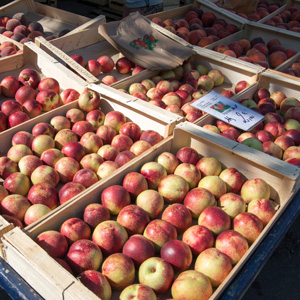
[228,111]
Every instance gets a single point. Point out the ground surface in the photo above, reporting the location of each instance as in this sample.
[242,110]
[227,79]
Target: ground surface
[279,278]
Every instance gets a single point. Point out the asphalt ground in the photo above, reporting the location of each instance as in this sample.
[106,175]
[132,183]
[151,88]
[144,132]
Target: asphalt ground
[279,277]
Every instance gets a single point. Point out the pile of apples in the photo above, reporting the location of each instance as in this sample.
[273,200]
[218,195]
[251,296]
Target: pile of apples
[175,90]
[278,135]
[8,48]
[293,69]
[105,64]
[198,27]
[28,96]
[178,226]
[268,54]
[57,160]
[263,9]
[21,29]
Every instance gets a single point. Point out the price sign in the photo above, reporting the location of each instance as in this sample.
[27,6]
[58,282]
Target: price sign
[228,111]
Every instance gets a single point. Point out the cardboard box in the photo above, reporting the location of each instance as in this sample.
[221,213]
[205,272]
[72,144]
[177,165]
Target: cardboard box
[52,19]
[23,254]
[273,82]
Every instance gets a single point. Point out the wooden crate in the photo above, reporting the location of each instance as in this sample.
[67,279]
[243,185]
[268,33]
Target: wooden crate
[52,19]
[23,254]
[178,13]
[35,58]
[233,73]
[272,81]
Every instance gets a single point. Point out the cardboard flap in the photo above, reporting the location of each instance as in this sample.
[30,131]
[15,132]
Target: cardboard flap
[135,38]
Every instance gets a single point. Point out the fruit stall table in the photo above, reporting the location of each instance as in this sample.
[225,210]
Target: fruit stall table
[17,288]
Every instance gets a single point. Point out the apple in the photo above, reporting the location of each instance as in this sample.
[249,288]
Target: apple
[187,155]
[49,99]
[14,205]
[214,184]
[60,122]
[3,193]
[108,152]
[69,95]
[134,183]
[8,107]
[35,212]
[66,168]
[49,83]
[7,167]
[255,188]
[156,273]
[264,209]
[233,204]
[82,127]
[94,67]
[75,115]
[94,214]
[53,242]
[241,85]
[88,100]
[133,218]
[106,62]
[151,201]
[190,173]
[64,136]
[139,147]
[132,130]
[109,80]
[151,136]
[91,161]
[154,173]
[253,143]
[107,168]
[214,264]
[69,190]
[43,193]
[291,152]
[17,183]
[190,285]
[123,65]
[97,283]
[9,86]
[51,156]
[16,222]
[43,128]
[115,119]
[42,143]
[96,118]
[17,118]
[91,142]
[45,174]
[233,179]
[86,177]
[74,149]
[110,236]
[32,108]
[124,157]
[272,149]
[16,152]
[75,229]
[138,291]
[3,121]
[84,255]
[209,166]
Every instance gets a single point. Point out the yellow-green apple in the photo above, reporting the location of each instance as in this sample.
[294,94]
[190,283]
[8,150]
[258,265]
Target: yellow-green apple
[168,160]
[156,273]
[75,115]
[106,62]
[197,199]
[94,67]
[138,248]
[133,218]
[91,161]
[69,95]
[151,136]
[17,183]
[188,155]
[91,142]
[173,188]
[94,214]
[233,204]
[14,205]
[190,173]
[172,98]
[214,184]
[43,193]
[253,143]
[255,188]
[42,143]
[155,93]
[86,177]
[137,88]
[217,76]
[69,190]
[51,156]
[139,147]
[110,236]
[214,264]
[96,118]
[209,166]
[60,122]
[159,232]
[32,108]
[63,137]
[88,100]
[107,133]
[205,82]
[74,149]
[233,244]
[154,173]
[108,152]
[178,254]
[84,255]
[97,283]
[119,270]
[114,198]
[43,129]
[75,229]
[178,215]
[134,183]
[7,167]
[45,174]
[16,152]
[198,238]
[215,219]
[53,242]
[291,124]
[8,107]
[28,163]
[287,103]
[291,152]
[35,212]
[49,83]
[264,209]
[66,168]
[151,201]
[9,86]
[233,179]
[278,97]
[249,225]
[107,168]
[138,291]
[148,83]
[81,127]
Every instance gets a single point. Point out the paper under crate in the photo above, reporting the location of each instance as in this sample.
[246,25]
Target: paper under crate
[232,72]
[23,254]
[273,83]
[52,19]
